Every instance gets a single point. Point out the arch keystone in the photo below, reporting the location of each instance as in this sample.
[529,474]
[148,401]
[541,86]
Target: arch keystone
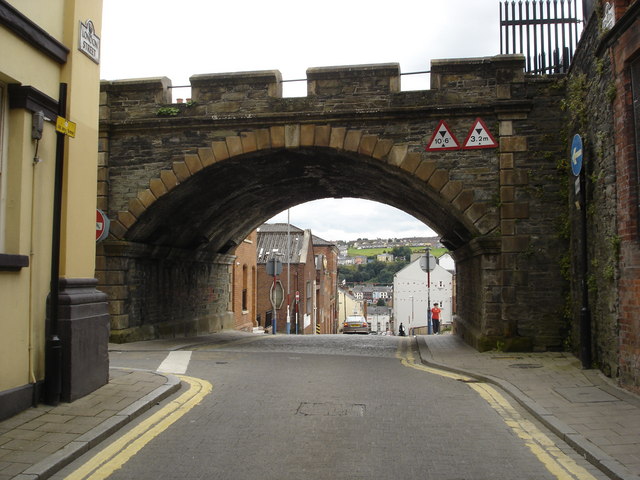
[411,162]
[382,149]
[451,190]
[397,154]
[169,179]
[234,145]
[249,142]
[220,150]
[181,170]
[157,187]
[263,139]
[367,144]
[277,136]
[307,135]
[117,229]
[126,219]
[136,207]
[463,200]
[193,162]
[425,169]
[292,136]
[146,197]
[336,140]
[322,136]
[206,156]
[352,140]
[438,179]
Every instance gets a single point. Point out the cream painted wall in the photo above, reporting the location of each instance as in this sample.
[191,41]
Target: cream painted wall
[26,213]
[83,77]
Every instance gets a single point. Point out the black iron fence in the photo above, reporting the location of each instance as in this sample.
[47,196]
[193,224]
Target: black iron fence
[546,32]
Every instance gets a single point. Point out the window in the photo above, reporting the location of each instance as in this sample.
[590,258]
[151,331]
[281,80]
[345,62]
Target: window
[308,298]
[245,306]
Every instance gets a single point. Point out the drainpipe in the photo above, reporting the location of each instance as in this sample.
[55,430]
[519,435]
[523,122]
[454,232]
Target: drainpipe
[53,354]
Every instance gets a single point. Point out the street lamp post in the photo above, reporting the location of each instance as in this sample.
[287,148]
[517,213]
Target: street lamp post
[428,263]
[429,326]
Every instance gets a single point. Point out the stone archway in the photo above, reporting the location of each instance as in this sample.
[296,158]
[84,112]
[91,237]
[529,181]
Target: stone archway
[185,183]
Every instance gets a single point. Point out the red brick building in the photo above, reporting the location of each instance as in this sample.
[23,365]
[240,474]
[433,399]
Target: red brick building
[327,282]
[309,274]
[623,42]
[243,292]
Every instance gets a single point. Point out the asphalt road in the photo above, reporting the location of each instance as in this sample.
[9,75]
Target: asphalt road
[324,407]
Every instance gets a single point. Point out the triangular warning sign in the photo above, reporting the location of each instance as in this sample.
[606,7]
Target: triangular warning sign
[479,137]
[443,139]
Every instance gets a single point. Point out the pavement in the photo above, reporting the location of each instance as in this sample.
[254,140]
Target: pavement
[584,408]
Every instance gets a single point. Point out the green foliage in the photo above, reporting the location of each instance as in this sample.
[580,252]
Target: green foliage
[611,92]
[614,241]
[402,252]
[372,272]
[168,111]
[372,252]
[574,103]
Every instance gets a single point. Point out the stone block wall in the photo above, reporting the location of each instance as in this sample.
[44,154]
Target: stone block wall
[164,293]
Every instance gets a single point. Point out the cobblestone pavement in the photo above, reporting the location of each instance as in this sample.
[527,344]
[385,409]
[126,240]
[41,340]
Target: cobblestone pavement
[584,408]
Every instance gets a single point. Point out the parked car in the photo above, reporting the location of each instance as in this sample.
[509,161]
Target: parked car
[356,324]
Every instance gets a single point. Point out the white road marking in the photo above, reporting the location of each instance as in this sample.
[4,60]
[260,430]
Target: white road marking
[176,362]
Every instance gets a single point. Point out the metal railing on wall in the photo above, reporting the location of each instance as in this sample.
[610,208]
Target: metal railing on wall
[546,32]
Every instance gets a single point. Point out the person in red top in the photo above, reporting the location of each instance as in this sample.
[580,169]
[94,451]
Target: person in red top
[435,318]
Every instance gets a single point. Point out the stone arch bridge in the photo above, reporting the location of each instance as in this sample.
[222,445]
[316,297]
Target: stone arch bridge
[185,183]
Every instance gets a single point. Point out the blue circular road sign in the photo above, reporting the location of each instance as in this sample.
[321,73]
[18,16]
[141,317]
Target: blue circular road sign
[576,155]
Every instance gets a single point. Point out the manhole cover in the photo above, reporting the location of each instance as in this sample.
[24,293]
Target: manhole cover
[585,394]
[331,409]
[525,365]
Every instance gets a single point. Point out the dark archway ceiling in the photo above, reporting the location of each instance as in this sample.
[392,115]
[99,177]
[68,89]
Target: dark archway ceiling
[219,206]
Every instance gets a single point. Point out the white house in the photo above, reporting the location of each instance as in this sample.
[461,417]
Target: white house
[410,296]
[347,305]
[379,318]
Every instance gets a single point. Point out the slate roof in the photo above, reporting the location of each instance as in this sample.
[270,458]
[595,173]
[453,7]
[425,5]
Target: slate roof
[272,237]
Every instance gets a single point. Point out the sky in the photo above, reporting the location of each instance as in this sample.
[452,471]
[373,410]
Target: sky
[162,38]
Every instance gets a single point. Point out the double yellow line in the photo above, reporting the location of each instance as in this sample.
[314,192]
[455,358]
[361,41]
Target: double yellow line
[554,460]
[115,455]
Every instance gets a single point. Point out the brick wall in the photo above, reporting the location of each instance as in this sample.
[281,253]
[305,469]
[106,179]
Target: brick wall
[244,284]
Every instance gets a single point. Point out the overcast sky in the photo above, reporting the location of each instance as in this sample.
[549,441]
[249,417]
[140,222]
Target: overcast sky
[162,38]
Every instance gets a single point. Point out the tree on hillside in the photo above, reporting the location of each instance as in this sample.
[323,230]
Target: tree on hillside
[372,272]
[401,252]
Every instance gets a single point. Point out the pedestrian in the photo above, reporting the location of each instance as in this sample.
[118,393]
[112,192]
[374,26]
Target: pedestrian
[435,318]
[401,330]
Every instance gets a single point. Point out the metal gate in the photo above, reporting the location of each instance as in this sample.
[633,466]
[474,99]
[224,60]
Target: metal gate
[546,32]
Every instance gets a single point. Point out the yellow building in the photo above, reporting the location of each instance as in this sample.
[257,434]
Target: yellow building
[50,50]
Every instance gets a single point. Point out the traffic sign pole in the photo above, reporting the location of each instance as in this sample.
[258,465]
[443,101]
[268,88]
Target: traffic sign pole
[576,160]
